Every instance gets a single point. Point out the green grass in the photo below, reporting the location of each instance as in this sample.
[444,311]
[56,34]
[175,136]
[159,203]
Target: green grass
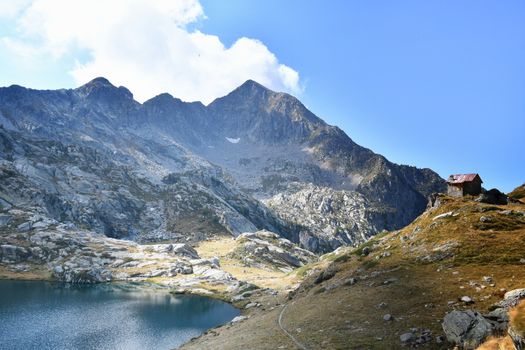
[370,243]
[303,270]
[342,258]
[502,223]
[368,264]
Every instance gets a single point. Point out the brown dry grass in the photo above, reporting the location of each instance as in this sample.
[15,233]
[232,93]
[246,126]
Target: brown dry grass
[517,319]
[518,192]
[36,273]
[503,343]
[221,247]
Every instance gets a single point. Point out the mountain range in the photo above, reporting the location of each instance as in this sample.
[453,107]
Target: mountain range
[96,159]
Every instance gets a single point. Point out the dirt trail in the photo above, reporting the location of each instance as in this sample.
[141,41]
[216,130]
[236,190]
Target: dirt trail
[297,343]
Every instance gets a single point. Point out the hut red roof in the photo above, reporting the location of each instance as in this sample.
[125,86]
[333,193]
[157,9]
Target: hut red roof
[461,178]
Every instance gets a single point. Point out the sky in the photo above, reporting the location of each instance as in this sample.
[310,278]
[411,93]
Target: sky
[437,83]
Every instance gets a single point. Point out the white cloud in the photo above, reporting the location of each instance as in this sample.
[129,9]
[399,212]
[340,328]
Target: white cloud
[146,45]
[10,8]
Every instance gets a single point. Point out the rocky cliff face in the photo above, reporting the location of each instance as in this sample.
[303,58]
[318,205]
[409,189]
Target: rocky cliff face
[167,169]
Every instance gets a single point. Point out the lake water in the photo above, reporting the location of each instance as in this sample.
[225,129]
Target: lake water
[42,315]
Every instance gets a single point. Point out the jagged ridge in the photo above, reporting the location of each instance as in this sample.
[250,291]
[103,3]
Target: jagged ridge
[98,158]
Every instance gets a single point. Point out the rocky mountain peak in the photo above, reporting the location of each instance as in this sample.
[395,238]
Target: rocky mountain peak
[100,81]
[162,98]
[166,100]
[260,115]
[102,88]
[253,87]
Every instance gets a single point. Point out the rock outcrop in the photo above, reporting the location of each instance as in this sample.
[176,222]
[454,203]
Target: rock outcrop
[467,329]
[338,217]
[264,249]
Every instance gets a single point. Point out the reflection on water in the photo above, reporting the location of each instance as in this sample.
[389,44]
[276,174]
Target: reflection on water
[42,315]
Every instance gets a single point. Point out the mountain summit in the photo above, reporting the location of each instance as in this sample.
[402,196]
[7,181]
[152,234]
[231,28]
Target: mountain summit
[167,169]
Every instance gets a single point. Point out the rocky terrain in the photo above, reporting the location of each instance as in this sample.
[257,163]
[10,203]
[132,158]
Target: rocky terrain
[33,246]
[339,217]
[266,250]
[448,279]
[171,170]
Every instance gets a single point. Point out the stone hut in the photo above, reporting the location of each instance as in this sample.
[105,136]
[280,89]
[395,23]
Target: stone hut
[464,184]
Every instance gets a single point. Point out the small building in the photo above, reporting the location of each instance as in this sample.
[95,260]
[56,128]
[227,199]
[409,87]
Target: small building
[464,184]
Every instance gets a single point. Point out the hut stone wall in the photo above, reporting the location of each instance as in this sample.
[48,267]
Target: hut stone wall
[455,190]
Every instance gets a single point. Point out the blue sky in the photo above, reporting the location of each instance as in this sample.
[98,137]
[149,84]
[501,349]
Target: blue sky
[438,84]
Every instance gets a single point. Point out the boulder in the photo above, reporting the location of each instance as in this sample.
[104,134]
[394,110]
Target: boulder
[512,298]
[350,281]
[365,251]
[466,299]
[407,337]
[468,329]
[157,273]
[207,263]
[516,294]
[286,257]
[238,319]
[325,275]
[493,196]
[487,279]
[498,315]
[182,249]
[448,214]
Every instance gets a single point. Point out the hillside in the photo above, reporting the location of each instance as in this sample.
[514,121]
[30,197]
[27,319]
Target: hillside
[518,193]
[397,284]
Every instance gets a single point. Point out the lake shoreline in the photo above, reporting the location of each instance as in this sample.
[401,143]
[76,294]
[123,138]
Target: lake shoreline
[126,289]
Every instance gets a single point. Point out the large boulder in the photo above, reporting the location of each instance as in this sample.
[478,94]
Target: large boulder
[182,249]
[468,329]
[493,196]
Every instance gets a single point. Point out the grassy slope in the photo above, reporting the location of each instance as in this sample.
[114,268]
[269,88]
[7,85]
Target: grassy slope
[330,315]
[518,193]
